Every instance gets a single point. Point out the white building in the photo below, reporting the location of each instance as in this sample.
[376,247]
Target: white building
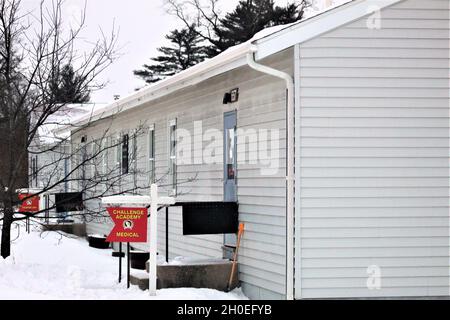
[365,139]
[50,153]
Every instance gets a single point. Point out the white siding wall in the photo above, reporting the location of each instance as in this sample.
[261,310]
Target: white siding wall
[375,155]
[262,198]
[51,170]
[50,165]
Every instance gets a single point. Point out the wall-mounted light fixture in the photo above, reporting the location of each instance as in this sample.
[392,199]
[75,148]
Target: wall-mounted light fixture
[227,98]
[231,97]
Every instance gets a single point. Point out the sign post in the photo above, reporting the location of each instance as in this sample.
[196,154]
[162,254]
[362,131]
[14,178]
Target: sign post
[153,240]
[128,265]
[120,262]
[131,224]
[29,205]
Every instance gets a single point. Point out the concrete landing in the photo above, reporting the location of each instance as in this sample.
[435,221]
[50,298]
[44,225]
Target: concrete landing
[202,275]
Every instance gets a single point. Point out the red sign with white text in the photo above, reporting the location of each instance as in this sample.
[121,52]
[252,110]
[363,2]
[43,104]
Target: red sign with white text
[130,225]
[30,205]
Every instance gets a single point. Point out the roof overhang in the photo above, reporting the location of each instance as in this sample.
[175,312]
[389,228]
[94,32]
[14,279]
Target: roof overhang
[320,24]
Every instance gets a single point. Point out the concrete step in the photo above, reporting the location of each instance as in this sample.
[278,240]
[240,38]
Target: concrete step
[77,229]
[207,275]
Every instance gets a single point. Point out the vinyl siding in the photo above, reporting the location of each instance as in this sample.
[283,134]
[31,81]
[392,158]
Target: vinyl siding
[261,197]
[374,158]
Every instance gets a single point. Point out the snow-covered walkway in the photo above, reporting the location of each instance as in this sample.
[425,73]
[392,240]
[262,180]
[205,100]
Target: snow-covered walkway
[48,266]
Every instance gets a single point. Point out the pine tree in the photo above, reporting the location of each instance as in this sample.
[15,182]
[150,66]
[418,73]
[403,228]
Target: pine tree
[185,51]
[249,17]
[252,16]
[66,87]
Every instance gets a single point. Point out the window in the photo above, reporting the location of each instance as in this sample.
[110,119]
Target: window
[82,178]
[230,156]
[34,171]
[92,160]
[104,170]
[118,145]
[134,150]
[75,185]
[134,158]
[125,154]
[151,154]
[173,157]
[104,149]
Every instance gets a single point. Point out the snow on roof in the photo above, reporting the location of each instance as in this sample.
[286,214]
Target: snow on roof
[141,200]
[55,128]
[308,15]
[341,12]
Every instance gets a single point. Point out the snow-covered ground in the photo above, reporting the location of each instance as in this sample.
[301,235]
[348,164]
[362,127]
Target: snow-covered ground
[50,267]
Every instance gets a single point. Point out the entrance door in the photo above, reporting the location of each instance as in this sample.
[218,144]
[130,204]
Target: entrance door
[230,165]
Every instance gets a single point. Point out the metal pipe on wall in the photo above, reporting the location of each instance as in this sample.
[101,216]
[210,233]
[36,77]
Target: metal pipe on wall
[290,179]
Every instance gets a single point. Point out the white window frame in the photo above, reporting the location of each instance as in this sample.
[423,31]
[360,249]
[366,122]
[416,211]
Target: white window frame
[92,162]
[133,157]
[133,149]
[34,169]
[151,139]
[105,158]
[82,164]
[104,149]
[118,142]
[75,185]
[128,154]
[172,157]
[116,145]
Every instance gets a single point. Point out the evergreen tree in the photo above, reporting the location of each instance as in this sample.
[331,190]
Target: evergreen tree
[185,51]
[248,18]
[67,87]
[252,16]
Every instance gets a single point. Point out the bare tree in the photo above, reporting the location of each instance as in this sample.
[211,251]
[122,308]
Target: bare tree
[205,15]
[33,47]
[94,170]
[224,30]
[97,169]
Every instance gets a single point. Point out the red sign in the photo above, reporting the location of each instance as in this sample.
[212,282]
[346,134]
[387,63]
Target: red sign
[30,205]
[130,225]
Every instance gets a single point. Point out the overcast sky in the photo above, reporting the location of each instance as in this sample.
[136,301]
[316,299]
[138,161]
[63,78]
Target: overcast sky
[142,24]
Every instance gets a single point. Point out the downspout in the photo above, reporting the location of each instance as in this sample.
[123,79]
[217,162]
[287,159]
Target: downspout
[290,180]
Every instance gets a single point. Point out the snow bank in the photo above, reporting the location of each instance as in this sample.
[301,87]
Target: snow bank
[51,267]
